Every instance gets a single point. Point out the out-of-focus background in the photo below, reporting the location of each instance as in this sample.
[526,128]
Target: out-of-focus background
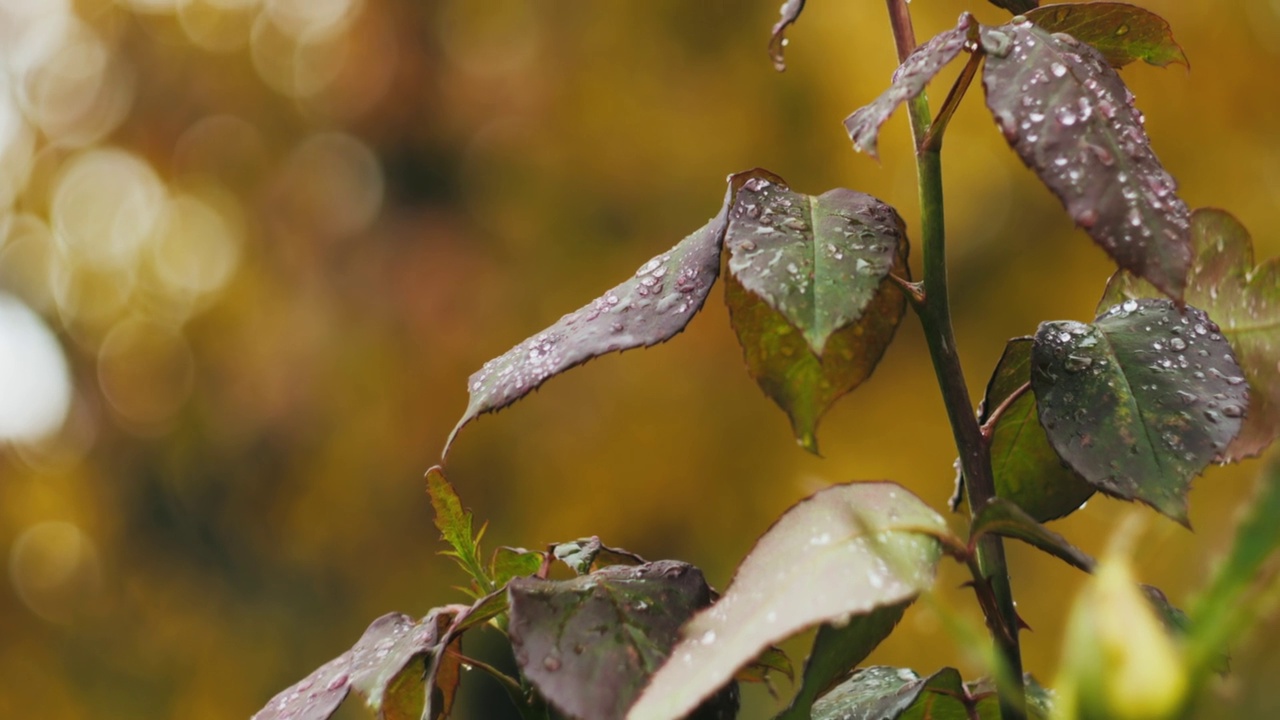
[251,249]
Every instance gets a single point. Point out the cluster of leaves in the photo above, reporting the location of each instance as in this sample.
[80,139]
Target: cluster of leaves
[1179,368]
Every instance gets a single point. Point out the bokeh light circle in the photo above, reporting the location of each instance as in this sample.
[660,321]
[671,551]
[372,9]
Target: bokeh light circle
[35,381]
[54,569]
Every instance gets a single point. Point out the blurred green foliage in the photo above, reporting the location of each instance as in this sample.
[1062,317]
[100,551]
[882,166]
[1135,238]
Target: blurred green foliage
[274,237]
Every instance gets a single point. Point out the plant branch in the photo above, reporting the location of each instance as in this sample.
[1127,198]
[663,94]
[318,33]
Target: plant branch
[933,139]
[935,317]
[989,426]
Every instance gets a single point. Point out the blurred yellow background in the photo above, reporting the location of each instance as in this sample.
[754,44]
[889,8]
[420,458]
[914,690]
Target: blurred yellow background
[252,249]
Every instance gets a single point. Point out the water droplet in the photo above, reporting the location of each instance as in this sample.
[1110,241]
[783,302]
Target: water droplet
[1058,69]
[708,637]
[1129,305]
[1232,411]
[551,663]
[1122,30]
[1178,344]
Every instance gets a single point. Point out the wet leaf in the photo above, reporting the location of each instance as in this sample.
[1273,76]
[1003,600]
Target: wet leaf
[1245,302]
[1001,517]
[836,651]
[587,554]
[650,307]
[1025,467]
[1016,6]
[1071,119]
[589,644]
[909,80]
[508,563]
[1039,700]
[886,693]
[790,12]
[808,293]
[844,552]
[454,524]
[1120,31]
[387,665]
[1139,402]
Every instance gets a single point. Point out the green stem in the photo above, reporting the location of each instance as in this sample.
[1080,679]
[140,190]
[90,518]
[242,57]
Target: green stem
[935,317]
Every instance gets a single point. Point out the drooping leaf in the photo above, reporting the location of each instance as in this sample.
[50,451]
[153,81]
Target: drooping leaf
[588,554]
[909,80]
[1001,517]
[1245,302]
[508,563]
[391,665]
[790,12]
[1235,597]
[1024,466]
[1071,119]
[1016,7]
[809,293]
[836,651]
[648,308]
[1140,401]
[844,552]
[886,693]
[454,524]
[589,644]
[1120,31]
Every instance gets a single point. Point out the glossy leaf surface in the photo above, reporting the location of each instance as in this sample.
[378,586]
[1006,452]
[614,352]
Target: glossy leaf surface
[1071,119]
[790,12]
[1139,402]
[836,651]
[886,693]
[589,644]
[1001,517]
[1122,32]
[1244,300]
[1025,467]
[808,292]
[844,552]
[909,80]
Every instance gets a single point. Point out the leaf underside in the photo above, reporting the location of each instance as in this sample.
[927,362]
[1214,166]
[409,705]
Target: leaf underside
[1071,119]
[790,12]
[590,643]
[844,552]
[1122,32]
[809,295]
[1016,6]
[909,80]
[1025,467]
[1140,401]
[1001,517]
[1245,302]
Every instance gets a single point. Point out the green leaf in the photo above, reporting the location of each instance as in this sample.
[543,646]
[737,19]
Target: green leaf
[1025,467]
[809,293]
[508,563]
[790,12]
[1234,598]
[772,660]
[1071,119]
[1120,31]
[842,553]
[1001,517]
[1016,6]
[589,644]
[588,554]
[454,524]
[650,307]
[886,693]
[1139,402]
[1245,302]
[909,80]
[836,651]
[1040,701]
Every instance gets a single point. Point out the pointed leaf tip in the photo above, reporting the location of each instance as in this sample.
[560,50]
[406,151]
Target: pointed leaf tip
[790,12]
[1071,119]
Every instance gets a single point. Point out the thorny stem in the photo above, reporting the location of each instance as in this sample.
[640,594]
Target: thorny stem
[935,317]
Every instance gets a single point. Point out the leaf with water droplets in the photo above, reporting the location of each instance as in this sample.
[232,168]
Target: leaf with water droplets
[1071,119]
[589,644]
[809,292]
[836,651]
[588,554]
[1040,701]
[1120,31]
[1001,517]
[909,80]
[1025,467]
[790,12]
[652,306]
[842,553]
[887,693]
[1245,302]
[1140,401]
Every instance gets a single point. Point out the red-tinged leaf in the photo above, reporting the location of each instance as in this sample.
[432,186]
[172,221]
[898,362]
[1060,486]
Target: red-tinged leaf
[842,553]
[455,526]
[1244,300]
[790,12]
[809,293]
[652,306]
[1139,402]
[909,80]
[1071,119]
[1122,32]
